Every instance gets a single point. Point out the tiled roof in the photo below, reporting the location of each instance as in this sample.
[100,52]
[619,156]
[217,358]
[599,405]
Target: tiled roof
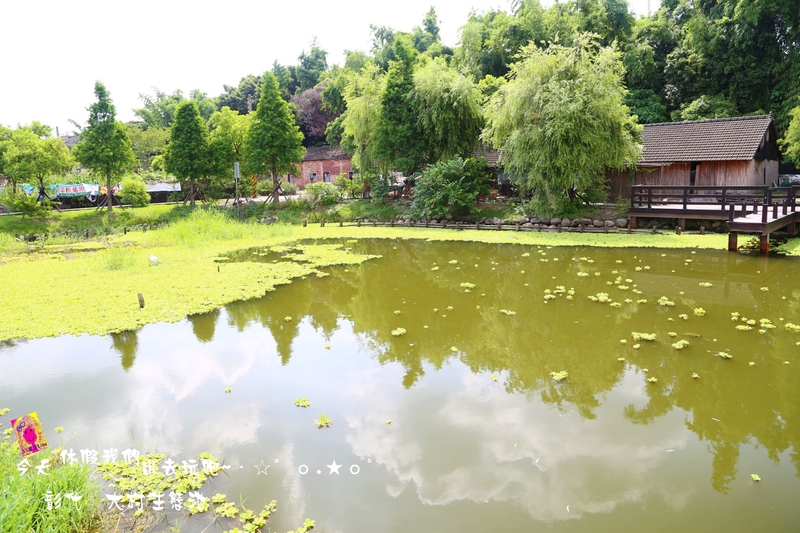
[721,139]
[492,156]
[324,153]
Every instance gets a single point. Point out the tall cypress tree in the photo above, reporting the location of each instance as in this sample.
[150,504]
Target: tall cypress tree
[105,147]
[188,156]
[274,142]
[399,143]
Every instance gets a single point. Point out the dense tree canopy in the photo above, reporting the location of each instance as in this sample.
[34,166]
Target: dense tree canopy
[561,122]
[160,108]
[29,158]
[105,148]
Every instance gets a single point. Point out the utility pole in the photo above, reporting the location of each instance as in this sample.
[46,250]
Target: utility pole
[250,96]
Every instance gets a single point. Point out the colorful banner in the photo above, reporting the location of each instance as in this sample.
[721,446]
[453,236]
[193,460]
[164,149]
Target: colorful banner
[72,190]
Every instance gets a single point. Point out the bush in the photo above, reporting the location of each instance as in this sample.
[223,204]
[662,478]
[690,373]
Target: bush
[20,202]
[289,188]
[134,192]
[449,188]
[321,193]
[349,188]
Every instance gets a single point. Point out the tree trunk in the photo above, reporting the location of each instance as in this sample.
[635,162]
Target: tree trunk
[109,195]
[276,198]
[191,192]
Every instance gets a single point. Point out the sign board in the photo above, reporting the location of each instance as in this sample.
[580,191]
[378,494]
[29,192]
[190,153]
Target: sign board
[236,170]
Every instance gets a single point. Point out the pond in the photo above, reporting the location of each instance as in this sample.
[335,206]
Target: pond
[457,424]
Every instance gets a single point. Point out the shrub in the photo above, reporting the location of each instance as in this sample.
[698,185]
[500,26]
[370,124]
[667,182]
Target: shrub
[349,188]
[321,193]
[134,192]
[20,202]
[449,188]
[289,188]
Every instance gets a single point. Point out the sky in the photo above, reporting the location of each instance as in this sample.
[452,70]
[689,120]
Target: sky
[61,48]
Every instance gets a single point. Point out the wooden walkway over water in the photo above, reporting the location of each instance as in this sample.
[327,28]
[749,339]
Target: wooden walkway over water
[745,209]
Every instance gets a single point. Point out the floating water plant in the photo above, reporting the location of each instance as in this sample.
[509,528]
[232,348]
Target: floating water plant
[507,312]
[435,268]
[742,327]
[453,262]
[526,254]
[696,375]
[228,390]
[666,302]
[323,422]
[641,301]
[388,421]
[681,344]
[453,349]
[751,363]
[327,346]
[672,334]
[494,377]
[652,380]
[764,289]
[583,274]
[637,346]
[397,311]
[725,355]
[467,285]
[699,311]
[302,402]
[643,336]
[615,304]
[621,359]
[638,269]
[287,319]
[705,284]
[559,376]
[623,341]
[399,331]
[755,477]
[449,307]
[792,327]
[684,316]
[59,429]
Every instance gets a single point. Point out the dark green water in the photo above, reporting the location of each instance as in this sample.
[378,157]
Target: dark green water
[602,451]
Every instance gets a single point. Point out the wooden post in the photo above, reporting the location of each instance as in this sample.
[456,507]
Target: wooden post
[755,206]
[341,223]
[305,223]
[518,225]
[785,205]
[678,230]
[426,222]
[775,210]
[724,193]
[702,230]
[731,213]
[477,225]
[125,229]
[764,213]
[498,227]
[141,301]
[732,241]
[632,224]
[358,223]
[744,208]
[685,198]
[681,224]
[649,198]
[763,248]
[792,199]
[458,225]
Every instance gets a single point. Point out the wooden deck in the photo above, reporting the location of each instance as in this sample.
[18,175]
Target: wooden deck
[750,210]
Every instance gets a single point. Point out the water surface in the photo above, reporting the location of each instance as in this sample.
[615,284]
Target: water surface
[481,437]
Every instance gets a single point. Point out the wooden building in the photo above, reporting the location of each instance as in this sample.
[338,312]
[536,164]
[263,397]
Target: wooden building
[715,153]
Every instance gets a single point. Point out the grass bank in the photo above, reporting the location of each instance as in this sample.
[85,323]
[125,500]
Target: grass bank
[92,287]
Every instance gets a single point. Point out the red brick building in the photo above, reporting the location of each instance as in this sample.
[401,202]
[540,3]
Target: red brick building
[322,163]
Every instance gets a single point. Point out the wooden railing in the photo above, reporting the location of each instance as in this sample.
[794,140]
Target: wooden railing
[780,200]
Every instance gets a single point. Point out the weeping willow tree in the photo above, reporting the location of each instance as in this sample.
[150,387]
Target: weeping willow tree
[561,123]
[448,109]
[363,97]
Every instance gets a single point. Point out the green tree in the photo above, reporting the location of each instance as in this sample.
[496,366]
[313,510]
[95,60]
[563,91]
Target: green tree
[448,109]
[706,107]
[791,141]
[105,148]
[399,143]
[147,143]
[449,188]
[273,143]
[311,67]
[228,131]
[187,156]
[160,108]
[28,158]
[236,97]
[561,122]
[358,123]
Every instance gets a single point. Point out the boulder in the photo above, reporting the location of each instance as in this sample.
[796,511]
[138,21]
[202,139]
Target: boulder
[609,223]
[566,222]
[534,220]
[527,225]
[524,220]
[555,221]
[597,223]
[622,222]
